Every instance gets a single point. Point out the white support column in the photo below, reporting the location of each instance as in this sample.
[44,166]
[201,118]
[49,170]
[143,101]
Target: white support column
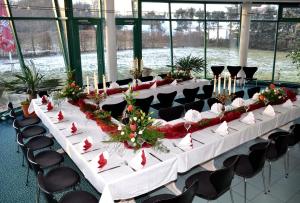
[244,36]
[111,40]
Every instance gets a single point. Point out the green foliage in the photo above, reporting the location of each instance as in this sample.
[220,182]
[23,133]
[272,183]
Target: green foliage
[102,115]
[295,56]
[187,64]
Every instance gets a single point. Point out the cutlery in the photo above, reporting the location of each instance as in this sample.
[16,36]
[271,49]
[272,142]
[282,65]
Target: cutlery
[90,151]
[198,141]
[109,169]
[74,134]
[58,122]
[61,128]
[75,143]
[126,163]
[177,147]
[233,129]
[155,157]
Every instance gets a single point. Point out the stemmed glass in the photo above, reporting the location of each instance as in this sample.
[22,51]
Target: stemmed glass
[187,126]
[247,108]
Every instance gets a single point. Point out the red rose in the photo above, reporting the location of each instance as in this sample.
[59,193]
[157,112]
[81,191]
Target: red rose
[73,84]
[131,135]
[133,127]
[272,86]
[130,108]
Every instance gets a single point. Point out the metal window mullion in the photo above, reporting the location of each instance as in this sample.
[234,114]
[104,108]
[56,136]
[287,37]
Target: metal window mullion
[275,48]
[205,42]
[171,38]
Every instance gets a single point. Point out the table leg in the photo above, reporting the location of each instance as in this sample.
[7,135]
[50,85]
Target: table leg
[173,188]
[127,201]
[210,165]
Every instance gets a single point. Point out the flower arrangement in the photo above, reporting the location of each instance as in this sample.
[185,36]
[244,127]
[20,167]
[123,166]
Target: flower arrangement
[273,95]
[139,131]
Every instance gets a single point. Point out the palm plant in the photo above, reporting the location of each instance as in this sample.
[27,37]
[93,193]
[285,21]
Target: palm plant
[190,63]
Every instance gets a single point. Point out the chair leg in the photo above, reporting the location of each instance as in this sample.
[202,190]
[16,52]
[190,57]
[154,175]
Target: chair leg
[231,195]
[23,161]
[287,163]
[264,180]
[245,190]
[269,182]
[27,175]
[38,195]
[18,148]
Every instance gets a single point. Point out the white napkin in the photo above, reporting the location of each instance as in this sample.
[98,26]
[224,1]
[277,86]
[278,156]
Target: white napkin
[256,96]
[186,142]
[288,104]
[217,108]
[269,111]
[154,86]
[95,160]
[114,85]
[156,78]
[238,102]
[136,161]
[222,129]
[89,139]
[159,122]
[192,116]
[174,82]
[249,119]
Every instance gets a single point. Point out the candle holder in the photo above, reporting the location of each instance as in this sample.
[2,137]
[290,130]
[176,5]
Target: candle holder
[224,96]
[97,98]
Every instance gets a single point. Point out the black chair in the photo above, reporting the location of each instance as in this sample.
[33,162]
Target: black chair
[163,75]
[217,70]
[144,104]
[45,159]
[186,197]
[234,70]
[249,166]
[207,92]
[171,113]
[71,197]
[100,85]
[238,94]
[213,184]
[189,96]
[42,93]
[211,101]
[294,138]
[146,78]
[22,122]
[196,105]
[35,143]
[252,91]
[115,109]
[124,82]
[249,72]
[277,149]
[165,100]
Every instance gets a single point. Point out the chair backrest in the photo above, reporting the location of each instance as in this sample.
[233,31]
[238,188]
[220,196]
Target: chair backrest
[10,106]
[196,105]
[281,143]
[252,91]
[43,188]
[171,113]
[249,71]
[233,70]
[166,99]
[190,94]
[146,78]
[211,101]
[208,90]
[295,131]
[144,104]
[257,158]
[238,94]
[42,93]
[124,82]
[12,114]
[186,197]
[217,70]
[115,109]
[163,75]
[221,179]
[31,160]
[100,85]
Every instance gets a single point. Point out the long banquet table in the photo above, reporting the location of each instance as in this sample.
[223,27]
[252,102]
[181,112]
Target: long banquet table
[161,168]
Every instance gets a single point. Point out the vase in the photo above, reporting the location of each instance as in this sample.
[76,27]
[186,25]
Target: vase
[25,111]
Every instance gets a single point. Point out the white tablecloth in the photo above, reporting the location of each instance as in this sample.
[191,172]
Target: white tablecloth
[122,182]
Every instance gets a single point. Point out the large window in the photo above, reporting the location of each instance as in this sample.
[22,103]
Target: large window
[84,8]
[126,8]
[32,8]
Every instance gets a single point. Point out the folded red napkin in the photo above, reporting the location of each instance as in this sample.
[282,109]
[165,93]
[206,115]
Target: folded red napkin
[143,158]
[60,116]
[87,145]
[73,128]
[49,106]
[102,161]
[44,99]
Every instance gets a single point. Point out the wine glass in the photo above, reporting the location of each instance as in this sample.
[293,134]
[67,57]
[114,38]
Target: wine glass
[187,126]
[247,108]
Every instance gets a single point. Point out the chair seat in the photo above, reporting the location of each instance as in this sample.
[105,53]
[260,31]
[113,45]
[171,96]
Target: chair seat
[202,96]
[183,100]
[48,158]
[32,131]
[22,123]
[243,167]
[271,154]
[159,106]
[158,198]
[61,178]
[39,142]
[78,197]
[205,188]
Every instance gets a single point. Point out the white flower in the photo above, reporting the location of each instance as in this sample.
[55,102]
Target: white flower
[134,144]
[132,139]
[122,133]
[140,132]
[119,127]
[149,118]
[142,118]
[135,118]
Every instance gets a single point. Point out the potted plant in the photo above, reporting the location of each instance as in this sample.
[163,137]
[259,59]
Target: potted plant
[295,56]
[25,106]
[186,65]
